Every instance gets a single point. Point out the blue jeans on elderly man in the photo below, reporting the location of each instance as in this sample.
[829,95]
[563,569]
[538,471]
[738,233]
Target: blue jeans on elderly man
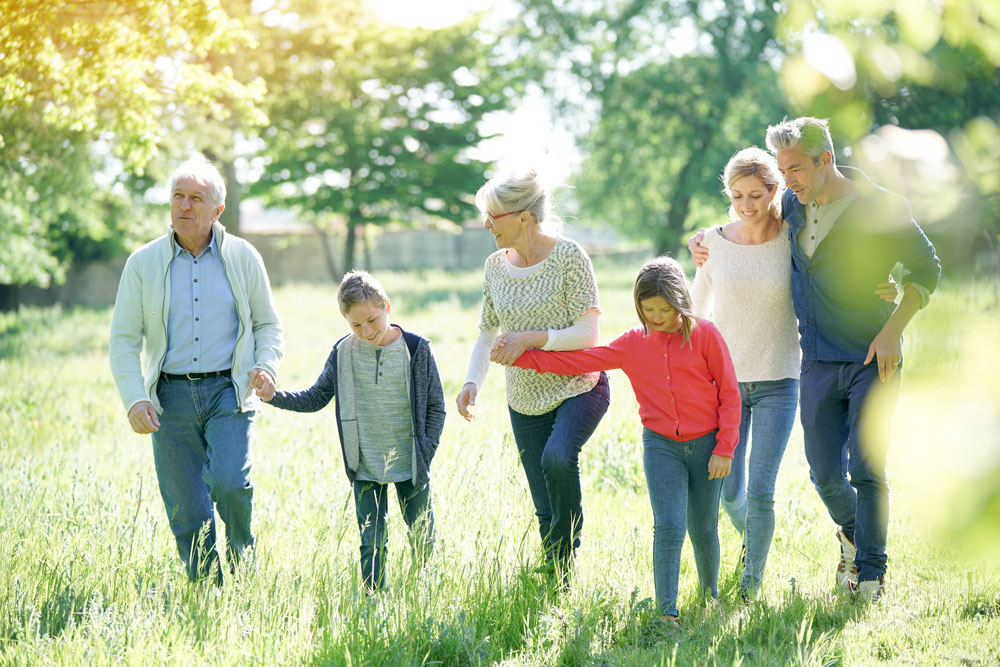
[202,457]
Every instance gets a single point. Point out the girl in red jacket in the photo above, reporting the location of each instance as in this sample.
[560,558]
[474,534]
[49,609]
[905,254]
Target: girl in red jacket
[689,404]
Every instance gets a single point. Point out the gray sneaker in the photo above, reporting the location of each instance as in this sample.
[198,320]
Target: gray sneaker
[847,571]
[870,591]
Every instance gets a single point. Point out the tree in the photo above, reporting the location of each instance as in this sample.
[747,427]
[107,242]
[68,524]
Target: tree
[83,84]
[931,67]
[372,122]
[676,88]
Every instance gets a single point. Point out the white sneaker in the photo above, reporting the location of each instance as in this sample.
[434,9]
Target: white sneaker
[847,571]
[870,591]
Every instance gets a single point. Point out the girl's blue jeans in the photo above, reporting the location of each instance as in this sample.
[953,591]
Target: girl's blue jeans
[682,495]
[748,492]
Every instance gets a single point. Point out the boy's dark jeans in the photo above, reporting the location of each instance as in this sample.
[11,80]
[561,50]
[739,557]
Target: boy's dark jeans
[371,505]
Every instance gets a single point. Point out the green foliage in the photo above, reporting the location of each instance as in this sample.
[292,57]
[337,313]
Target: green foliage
[91,574]
[87,84]
[918,65]
[677,88]
[371,123]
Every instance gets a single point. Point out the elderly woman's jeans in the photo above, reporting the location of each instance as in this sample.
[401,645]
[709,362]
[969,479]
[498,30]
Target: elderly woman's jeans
[371,504]
[549,445]
[681,494]
[202,458]
[842,436]
[748,492]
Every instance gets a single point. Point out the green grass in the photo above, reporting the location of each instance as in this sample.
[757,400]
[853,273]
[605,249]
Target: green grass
[89,574]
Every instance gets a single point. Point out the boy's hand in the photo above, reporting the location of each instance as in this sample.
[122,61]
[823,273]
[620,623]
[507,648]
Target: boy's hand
[466,398]
[261,382]
[698,253]
[718,466]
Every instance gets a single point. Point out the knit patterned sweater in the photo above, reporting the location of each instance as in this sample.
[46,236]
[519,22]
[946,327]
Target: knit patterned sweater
[746,291]
[551,298]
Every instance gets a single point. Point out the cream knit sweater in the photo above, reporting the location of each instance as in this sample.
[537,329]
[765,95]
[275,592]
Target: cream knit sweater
[746,291]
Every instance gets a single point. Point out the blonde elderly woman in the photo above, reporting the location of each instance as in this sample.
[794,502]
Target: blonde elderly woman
[539,291]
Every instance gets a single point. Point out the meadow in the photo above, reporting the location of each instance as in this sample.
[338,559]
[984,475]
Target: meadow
[89,572]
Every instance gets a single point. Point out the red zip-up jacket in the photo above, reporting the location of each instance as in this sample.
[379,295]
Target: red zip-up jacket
[684,390]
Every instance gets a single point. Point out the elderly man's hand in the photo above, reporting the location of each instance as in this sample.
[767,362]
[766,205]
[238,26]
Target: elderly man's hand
[261,382]
[143,419]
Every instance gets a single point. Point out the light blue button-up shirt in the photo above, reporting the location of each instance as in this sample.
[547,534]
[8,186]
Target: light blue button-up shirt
[202,323]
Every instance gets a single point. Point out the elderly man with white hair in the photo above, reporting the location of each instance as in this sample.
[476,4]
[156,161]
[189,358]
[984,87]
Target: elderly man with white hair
[200,300]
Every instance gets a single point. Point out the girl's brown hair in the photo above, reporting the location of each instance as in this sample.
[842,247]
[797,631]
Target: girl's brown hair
[665,278]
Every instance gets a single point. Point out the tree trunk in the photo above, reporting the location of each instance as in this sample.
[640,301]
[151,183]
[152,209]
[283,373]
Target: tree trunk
[669,240]
[366,248]
[352,239]
[331,262]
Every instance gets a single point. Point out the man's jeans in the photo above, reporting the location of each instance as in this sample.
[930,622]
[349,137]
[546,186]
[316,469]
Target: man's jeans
[681,494]
[842,437]
[372,509]
[549,445]
[202,456]
[748,495]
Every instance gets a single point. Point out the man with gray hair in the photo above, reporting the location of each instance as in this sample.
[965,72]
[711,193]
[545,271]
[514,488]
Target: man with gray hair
[200,300]
[846,235]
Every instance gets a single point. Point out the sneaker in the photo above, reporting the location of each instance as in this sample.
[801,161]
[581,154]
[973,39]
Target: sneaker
[667,622]
[870,591]
[847,571]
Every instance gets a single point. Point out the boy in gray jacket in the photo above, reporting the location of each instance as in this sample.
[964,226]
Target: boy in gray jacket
[390,414]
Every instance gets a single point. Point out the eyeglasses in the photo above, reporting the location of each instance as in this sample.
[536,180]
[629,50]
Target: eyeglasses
[492,218]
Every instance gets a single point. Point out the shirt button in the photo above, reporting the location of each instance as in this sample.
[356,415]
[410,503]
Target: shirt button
[196,319]
[196,280]
[196,358]
[195,261]
[196,298]
[196,340]
[380,373]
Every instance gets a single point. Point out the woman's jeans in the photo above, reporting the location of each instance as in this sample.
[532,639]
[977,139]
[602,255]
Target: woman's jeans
[372,508]
[682,495]
[549,445]
[748,493]
[202,458]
